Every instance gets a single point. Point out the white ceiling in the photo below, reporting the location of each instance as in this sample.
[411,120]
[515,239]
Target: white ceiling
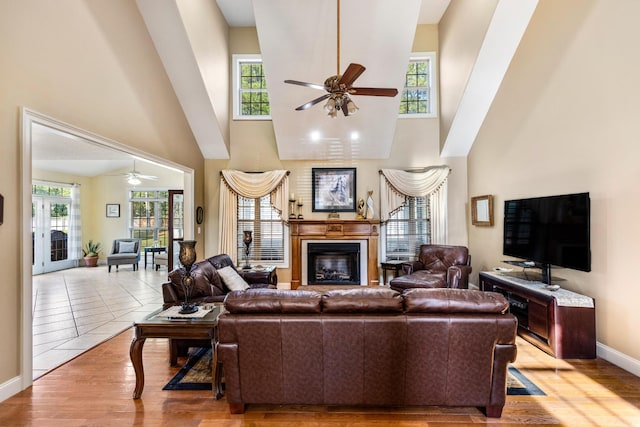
[298,41]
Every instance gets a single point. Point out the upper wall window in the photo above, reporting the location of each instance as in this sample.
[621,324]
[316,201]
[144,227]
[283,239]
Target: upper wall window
[250,98]
[419,96]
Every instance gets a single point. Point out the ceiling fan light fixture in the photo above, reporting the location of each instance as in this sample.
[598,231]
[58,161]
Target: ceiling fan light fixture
[352,108]
[330,106]
[134,180]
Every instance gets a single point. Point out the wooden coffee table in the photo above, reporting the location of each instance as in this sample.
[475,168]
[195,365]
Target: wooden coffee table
[152,326]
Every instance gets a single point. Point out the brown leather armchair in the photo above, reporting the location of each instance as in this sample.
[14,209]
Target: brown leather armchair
[437,266]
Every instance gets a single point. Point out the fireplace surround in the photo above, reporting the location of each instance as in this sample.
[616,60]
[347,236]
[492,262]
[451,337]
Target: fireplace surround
[362,232]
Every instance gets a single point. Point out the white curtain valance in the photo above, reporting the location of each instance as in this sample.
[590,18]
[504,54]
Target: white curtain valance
[396,185]
[251,185]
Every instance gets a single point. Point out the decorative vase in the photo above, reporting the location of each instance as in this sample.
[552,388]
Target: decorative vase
[187,257]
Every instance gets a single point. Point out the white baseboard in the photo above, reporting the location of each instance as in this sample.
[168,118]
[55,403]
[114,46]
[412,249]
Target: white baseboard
[10,387]
[619,359]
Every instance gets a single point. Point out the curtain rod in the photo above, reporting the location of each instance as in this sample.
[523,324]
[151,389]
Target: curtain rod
[424,169]
[288,172]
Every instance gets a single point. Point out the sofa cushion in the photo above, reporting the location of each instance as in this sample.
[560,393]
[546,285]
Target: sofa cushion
[272,301]
[421,279]
[365,300]
[126,247]
[205,281]
[422,300]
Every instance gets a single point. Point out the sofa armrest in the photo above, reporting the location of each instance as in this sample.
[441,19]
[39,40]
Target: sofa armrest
[458,276]
[411,266]
[169,295]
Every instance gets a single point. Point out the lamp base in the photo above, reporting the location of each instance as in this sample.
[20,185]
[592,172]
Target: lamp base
[246,267]
[188,308]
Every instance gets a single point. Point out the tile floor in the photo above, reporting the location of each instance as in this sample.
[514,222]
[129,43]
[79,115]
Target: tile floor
[76,309]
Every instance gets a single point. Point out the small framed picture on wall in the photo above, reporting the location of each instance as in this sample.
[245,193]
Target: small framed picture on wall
[113,210]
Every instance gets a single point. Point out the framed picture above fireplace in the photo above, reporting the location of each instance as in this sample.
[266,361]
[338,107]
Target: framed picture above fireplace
[334,189]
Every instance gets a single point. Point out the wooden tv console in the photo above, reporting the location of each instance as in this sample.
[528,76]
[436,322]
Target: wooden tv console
[561,323]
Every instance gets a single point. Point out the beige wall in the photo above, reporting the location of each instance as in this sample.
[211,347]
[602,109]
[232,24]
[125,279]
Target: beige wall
[415,144]
[566,120]
[462,31]
[93,65]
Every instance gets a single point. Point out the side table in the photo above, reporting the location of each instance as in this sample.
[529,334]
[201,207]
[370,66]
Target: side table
[395,266]
[255,274]
[153,250]
[154,326]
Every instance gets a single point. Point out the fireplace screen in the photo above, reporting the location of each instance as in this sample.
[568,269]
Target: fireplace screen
[333,263]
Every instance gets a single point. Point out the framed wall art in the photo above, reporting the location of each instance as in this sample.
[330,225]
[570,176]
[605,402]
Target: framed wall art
[482,210]
[113,210]
[333,189]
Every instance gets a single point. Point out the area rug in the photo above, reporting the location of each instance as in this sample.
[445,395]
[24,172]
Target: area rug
[196,375]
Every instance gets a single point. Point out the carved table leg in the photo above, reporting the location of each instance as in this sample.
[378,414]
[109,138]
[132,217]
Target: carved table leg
[135,352]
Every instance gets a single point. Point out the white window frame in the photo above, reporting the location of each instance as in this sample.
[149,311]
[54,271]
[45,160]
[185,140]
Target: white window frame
[236,60]
[433,85]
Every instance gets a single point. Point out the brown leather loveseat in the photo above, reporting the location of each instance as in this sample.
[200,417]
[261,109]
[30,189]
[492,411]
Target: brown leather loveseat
[437,266]
[370,346]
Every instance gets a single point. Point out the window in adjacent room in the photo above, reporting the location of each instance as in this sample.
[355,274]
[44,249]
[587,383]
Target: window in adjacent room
[419,96]
[250,98]
[149,216]
[269,234]
[408,228]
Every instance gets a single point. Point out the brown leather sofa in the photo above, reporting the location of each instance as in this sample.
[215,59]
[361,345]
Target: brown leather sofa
[207,284]
[369,346]
[437,266]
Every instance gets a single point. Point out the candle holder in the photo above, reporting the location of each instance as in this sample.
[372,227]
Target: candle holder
[187,257]
[292,208]
[300,210]
[247,239]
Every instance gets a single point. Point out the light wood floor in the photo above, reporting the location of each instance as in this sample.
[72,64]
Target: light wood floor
[95,389]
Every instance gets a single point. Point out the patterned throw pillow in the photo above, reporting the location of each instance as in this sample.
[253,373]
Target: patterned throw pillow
[232,279]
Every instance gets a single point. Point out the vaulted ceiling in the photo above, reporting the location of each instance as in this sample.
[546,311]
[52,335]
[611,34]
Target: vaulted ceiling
[298,40]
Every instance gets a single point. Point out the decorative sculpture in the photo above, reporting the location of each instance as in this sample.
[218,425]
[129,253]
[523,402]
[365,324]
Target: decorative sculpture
[370,211]
[361,209]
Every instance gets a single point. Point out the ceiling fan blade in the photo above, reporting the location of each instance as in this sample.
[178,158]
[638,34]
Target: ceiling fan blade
[313,102]
[373,91]
[148,177]
[311,85]
[350,75]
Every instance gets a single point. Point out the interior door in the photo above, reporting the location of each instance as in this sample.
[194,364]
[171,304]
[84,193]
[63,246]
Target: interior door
[50,234]
[176,226]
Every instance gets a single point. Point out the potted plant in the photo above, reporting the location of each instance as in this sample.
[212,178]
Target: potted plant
[90,252]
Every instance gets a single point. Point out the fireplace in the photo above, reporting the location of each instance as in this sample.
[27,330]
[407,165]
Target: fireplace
[333,263]
[361,232]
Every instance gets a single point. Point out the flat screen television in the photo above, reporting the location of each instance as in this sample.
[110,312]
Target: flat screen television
[548,231]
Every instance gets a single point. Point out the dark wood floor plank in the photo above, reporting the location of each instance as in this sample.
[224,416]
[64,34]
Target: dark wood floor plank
[95,389]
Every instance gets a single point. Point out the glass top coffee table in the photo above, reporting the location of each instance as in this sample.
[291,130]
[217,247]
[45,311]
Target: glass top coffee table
[158,325]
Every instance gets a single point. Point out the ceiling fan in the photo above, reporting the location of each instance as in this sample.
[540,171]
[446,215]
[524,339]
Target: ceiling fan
[134,177]
[340,87]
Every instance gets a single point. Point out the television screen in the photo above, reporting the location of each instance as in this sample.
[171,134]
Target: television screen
[549,230]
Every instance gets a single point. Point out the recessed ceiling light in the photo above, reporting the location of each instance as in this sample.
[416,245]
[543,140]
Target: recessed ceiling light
[315,135]
[355,136]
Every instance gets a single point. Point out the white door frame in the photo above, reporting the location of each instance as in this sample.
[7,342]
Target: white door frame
[27,119]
